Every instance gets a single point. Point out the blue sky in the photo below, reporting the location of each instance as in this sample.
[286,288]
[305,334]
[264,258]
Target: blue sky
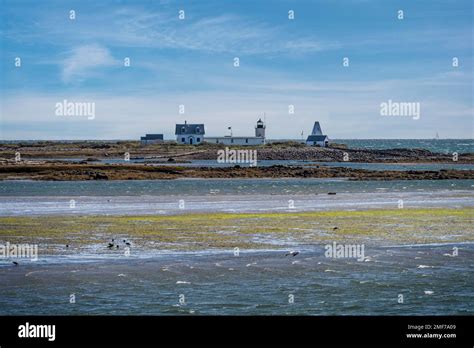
[282,62]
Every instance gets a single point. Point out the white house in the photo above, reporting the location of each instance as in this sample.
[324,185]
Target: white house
[189,133]
[317,138]
[258,139]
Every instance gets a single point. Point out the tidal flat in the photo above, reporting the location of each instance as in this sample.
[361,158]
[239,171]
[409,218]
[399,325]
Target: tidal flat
[151,234]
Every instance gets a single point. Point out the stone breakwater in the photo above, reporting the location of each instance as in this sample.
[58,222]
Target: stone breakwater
[85,171]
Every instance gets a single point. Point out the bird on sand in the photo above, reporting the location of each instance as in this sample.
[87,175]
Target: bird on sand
[15,263]
[292,253]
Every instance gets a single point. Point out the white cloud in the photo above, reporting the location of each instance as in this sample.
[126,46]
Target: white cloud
[84,60]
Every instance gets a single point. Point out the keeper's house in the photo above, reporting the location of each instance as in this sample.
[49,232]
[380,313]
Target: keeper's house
[151,139]
[187,133]
[317,138]
[258,139]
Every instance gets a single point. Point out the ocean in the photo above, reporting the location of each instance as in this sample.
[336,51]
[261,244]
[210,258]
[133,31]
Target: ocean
[429,281]
[428,278]
[445,146]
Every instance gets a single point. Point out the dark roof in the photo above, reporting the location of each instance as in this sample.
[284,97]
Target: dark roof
[317,129]
[316,137]
[153,137]
[189,128]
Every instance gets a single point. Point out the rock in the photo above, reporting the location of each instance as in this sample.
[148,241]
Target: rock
[98,176]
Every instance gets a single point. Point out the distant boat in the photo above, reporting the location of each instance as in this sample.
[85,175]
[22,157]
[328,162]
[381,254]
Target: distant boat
[437,136]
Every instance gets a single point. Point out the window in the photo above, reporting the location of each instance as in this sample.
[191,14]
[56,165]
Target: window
[183,129]
[232,141]
[183,140]
[198,140]
[198,129]
[246,141]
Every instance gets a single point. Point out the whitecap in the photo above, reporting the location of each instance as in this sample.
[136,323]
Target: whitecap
[424,266]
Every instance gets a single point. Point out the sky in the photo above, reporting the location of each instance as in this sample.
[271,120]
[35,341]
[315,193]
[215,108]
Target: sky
[283,64]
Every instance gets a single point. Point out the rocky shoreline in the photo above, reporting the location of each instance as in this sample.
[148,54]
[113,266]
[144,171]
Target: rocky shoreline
[276,151]
[78,171]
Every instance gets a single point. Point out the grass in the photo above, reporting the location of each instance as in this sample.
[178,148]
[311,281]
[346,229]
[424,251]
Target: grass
[226,231]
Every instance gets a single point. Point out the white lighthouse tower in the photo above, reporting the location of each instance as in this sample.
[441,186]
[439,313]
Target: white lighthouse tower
[260,129]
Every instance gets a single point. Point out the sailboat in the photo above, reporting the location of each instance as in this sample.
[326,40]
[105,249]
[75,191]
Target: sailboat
[437,136]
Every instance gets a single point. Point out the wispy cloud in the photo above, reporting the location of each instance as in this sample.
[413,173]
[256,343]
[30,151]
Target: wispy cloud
[137,27]
[84,61]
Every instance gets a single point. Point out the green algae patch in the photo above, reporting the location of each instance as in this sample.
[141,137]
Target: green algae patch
[204,231]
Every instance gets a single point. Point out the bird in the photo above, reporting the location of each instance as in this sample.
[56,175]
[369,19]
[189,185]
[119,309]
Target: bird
[117,246]
[67,245]
[110,245]
[15,263]
[292,253]
[336,228]
[128,243]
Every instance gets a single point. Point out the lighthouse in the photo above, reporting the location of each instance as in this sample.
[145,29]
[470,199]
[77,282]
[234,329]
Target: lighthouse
[260,129]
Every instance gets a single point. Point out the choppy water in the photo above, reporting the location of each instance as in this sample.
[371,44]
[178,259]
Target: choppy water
[217,195]
[441,145]
[191,187]
[254,283]
[303,163]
